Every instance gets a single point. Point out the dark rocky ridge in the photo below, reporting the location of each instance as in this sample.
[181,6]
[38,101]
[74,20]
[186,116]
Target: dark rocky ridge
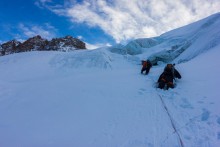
[37,43]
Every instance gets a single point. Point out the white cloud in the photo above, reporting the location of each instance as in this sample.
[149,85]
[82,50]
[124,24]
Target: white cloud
[123,19]
[42,3]
[95,46]
[46,31]
[80,37]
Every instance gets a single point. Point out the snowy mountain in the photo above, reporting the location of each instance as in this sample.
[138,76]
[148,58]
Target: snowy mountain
[179,45]
[98,98]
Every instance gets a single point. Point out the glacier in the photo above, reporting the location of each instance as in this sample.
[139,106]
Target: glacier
[99,98]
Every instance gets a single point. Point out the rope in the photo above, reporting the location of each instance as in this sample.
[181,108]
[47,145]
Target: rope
[171,120]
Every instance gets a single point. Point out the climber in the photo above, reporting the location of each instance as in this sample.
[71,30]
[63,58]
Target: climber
[146,65]
[166,78]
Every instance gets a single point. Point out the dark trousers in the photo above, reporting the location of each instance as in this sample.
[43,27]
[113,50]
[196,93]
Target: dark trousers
[146,70]
[162,85]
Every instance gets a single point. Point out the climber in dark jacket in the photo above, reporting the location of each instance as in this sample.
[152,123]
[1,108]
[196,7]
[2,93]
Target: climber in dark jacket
[167,77]
[146,65]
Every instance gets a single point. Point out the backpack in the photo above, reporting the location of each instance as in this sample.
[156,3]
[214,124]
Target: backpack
[146,63]
[170,68]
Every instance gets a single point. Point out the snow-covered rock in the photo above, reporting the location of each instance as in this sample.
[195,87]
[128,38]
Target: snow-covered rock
[10,47]
[37,43]
[65,44]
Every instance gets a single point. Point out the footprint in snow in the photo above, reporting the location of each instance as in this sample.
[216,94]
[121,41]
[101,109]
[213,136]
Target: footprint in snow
[200,102]
[187,137]
[218,120]
[218,135]
[185,104]
[141,91]
[205,115]
[138,143]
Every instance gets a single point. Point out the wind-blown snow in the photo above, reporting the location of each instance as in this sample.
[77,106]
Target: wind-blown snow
[99,98]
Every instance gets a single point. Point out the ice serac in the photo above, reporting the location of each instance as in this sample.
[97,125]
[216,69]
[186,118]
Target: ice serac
[179,45]
[137,46]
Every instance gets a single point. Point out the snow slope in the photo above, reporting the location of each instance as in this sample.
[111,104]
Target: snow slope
[98,98]
[45,100]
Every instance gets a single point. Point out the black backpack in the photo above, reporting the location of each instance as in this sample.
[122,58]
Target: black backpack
[170,68]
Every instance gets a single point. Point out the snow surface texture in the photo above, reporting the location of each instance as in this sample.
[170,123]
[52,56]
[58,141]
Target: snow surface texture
[99,98]
[45,104]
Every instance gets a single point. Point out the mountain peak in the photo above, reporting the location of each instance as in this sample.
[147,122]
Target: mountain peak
[37,43]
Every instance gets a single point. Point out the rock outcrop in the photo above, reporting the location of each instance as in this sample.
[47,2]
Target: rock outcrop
[37,43]
[32,44]
[10,47]
[65,44]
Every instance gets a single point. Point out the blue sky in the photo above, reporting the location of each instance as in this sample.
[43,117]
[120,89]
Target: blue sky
[98,22]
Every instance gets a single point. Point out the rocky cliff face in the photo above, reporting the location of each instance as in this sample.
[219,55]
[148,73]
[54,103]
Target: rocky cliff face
[65,44]
[37,43]
[32,44]
[9,47]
